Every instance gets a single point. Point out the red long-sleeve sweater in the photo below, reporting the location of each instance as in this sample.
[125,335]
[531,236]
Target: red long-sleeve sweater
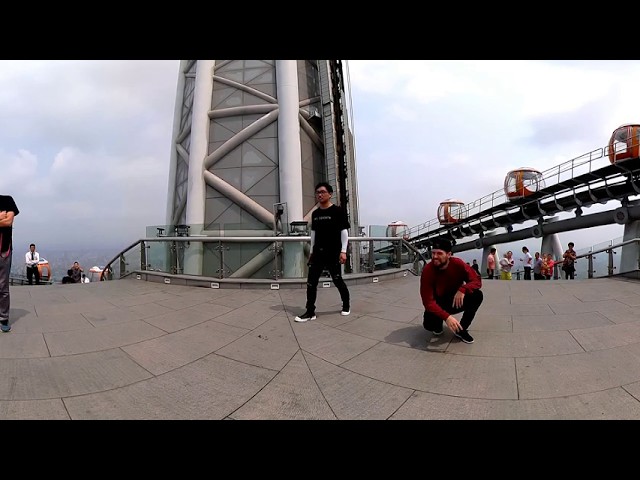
[441,283]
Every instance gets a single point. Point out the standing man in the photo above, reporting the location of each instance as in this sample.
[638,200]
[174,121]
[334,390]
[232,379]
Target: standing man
[528,263]
[329,239]
[32,258]
[491,263]
[8,210]
[568,262]
[537,267]
[449,286]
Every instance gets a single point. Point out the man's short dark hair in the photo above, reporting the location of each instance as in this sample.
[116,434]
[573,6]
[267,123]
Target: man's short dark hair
[571,244]
[32,245]
[325,185]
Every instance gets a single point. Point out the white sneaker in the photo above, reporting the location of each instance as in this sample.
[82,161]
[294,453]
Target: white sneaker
[344,313]
[305,317]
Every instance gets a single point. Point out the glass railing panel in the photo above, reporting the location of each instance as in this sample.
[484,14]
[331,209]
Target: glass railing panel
[383,256]
[617,258]
[251,260]
[158,256]
[293,258]
[127,263]
[211,263]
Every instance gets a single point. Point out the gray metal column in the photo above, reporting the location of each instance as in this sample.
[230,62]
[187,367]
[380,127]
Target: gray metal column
[290,159]
[551,242]
[630,255]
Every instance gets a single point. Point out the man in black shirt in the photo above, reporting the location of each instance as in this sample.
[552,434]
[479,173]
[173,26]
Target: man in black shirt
[329,238]
[8,210]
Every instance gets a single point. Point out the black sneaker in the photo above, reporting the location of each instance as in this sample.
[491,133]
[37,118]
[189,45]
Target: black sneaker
[5,328]
[438,332]
[464,336]
[305,317]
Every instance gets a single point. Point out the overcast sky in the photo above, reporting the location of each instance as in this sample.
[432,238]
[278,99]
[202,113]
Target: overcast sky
[85,145]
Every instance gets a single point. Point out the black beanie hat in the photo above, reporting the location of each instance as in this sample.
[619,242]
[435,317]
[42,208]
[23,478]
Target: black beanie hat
[441,244]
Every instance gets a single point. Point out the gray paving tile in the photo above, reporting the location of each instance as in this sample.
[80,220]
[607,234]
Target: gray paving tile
[536,323]
[293,394]
[49,378]
[455,375]
[210,389]
[23,345]
[271,345]
[100,338]
[610,336]
[557,376]
[33,410]
[612,404]
[330,344]
[168,352]
[356,397]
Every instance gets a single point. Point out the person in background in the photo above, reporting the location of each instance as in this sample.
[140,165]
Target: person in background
[527,260]
[537,267]
[551,263]
[568,262]
[506,263]
[32,258]
[475,266]
[8,211]
[85,279]
[491,263]
[76,272]
[449,286]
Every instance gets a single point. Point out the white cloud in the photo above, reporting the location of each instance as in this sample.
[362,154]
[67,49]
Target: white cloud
[96,135]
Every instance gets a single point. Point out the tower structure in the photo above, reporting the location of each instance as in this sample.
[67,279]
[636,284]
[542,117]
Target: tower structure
[251,139]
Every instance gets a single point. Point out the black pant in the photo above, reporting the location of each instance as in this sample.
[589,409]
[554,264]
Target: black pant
[470,306]
[331,262]
[31,271]
[538,276]
[527,273]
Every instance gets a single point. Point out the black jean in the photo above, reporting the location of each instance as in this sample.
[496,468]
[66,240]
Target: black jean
[31,271]
[470,305]
[319,262]
[527,273]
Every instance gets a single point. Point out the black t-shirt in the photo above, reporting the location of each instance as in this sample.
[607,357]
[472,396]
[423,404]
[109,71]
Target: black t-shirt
[7,204]
[327,224]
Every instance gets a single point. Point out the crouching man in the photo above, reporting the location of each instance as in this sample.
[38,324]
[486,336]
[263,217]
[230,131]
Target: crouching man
[449,286]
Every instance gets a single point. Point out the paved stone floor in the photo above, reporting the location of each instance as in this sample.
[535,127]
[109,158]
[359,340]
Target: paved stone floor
[130,349]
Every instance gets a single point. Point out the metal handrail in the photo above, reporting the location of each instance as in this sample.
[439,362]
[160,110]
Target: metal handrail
[396,253]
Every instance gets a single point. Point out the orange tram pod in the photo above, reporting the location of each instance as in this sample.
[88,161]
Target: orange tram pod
[398,229]
[522,182]
[45,270]
[451,212]
[624,143]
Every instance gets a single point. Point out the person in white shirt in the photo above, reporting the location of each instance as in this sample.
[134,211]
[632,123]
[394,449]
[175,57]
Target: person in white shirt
[85,279]
[528,263]
[32,258]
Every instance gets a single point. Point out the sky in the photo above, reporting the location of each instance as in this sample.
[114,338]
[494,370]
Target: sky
[85,145]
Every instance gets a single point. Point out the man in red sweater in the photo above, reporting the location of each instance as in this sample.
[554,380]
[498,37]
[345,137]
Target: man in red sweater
[449,286]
